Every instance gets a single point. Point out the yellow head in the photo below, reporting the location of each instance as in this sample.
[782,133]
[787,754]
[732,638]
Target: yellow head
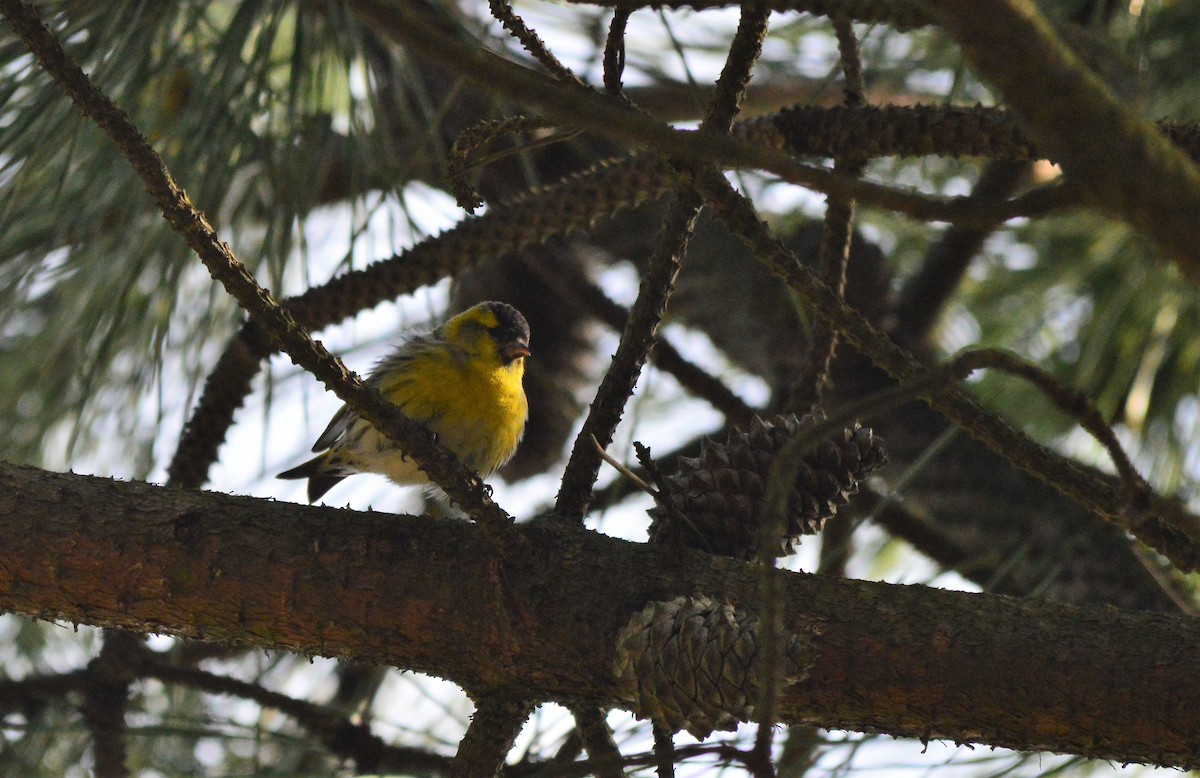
[492,334]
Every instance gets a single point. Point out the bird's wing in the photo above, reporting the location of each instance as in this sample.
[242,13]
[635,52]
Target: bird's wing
[338,425]
[389,368]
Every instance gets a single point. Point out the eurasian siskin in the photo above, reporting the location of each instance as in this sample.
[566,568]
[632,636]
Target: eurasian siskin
[462,380]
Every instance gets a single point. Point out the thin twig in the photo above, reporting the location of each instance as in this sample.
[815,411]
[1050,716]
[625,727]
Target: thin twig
[941,381]
[470,141]
[923,297]
[639,335]
[637,339]
[1073,403]
[614,51]
[607,188]
[32,692]
[621,489]
[601,114]
[919,533]
[568,751]
[855,88]
[902,15]
[572,284]
[106,699]
[653,471]
[532,43]
[836,235]
[616,464]
[556,768]
[832,259]
[744,52]
[343,738]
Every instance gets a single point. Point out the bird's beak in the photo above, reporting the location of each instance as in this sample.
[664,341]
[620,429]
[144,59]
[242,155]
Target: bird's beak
[509,352]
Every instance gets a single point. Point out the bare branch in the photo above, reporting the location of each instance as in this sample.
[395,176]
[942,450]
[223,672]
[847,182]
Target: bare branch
[106,699]
[614,119]
[836,235]
[343,738]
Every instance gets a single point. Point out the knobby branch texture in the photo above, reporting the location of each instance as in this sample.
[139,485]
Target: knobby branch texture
[637,339]
[639,336]
[606,190]
[594,111]
[906,660]
[900,14]
[494,727]
[833,254]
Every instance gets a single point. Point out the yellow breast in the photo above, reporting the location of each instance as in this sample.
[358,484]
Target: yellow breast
[477,408]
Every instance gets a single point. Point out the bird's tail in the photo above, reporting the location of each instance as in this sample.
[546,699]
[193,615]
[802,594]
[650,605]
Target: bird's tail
[320,479]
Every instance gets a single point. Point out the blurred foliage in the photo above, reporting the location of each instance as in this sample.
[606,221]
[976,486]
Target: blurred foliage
[262,112]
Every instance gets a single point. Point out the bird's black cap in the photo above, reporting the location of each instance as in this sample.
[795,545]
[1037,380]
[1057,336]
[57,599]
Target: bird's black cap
[511,326]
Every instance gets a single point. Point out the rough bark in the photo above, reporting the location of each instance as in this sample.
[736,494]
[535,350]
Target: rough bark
[539,608]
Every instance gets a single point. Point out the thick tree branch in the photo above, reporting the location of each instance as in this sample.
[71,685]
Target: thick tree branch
[421,594]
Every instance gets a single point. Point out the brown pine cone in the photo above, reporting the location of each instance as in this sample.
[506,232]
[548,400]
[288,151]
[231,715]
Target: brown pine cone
[715,500]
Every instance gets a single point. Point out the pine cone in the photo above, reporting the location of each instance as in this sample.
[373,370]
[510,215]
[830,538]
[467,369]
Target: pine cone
[714,501]
[692,663]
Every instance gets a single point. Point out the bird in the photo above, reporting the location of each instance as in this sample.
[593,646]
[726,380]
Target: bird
[462,380]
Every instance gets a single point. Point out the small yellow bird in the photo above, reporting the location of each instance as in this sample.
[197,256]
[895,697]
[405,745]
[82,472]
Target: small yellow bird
[462,380]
